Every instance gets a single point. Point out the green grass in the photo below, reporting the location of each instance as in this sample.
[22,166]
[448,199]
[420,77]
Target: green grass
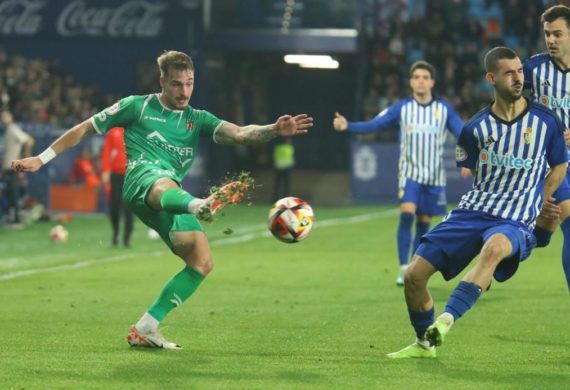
[320,314]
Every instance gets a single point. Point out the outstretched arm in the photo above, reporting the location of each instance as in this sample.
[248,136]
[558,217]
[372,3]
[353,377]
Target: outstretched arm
[286,126]
[67,140]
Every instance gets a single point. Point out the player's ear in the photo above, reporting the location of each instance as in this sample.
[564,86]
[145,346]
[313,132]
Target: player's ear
[162,81]
[490,78]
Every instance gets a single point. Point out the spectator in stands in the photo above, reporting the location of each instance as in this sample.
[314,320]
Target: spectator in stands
[83,171]
[17,144]
[113,169]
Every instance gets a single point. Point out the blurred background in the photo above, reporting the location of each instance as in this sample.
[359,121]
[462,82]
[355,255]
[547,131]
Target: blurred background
[62,61]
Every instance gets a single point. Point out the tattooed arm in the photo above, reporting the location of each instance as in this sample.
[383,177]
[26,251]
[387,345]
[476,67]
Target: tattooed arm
[287,125]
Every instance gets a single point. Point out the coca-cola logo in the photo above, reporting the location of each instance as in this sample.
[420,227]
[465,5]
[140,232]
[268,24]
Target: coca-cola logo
[137,18]
[20,17]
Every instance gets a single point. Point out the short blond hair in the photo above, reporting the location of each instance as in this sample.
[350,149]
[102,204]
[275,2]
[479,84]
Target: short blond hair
[174,60]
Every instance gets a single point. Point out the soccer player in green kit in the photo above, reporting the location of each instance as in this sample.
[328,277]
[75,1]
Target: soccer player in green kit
[161,139]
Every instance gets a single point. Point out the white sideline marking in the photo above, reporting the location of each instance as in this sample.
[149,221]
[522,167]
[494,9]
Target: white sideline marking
[219,242]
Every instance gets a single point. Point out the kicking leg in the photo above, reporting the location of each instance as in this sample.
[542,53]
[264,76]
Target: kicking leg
[465,295]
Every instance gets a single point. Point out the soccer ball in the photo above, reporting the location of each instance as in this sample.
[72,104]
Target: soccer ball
[290,220]
[58,234]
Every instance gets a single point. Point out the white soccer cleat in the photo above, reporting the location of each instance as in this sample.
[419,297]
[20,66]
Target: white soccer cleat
[152,339]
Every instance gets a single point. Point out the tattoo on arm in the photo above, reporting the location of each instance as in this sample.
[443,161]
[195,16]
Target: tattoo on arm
[232,134]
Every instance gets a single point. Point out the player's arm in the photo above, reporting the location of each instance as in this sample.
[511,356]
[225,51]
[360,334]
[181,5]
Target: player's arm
[553,179]
[68,140]
[286,126]
[386,119]
[454,122]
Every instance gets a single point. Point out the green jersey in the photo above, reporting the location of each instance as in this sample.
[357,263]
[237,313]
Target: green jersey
[159,142]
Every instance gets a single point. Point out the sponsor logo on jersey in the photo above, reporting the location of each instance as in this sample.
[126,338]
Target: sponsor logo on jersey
[545,83]
[157,139]
[527,135]
[113,109]
[507,160]
[552,102]
[189,125]
[154,118]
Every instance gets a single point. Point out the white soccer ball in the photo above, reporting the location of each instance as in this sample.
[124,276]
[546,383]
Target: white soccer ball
[290,220]
[58,234]
[153,234]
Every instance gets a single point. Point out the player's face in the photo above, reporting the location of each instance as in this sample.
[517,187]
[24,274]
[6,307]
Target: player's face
[508,80]
[421,82]
[557,38]
[177,87]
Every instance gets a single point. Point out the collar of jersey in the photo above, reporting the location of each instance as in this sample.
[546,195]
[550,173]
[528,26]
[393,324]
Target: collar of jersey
[166,108]
[519,116]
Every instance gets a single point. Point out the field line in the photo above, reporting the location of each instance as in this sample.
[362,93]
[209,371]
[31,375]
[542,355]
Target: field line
[260,233]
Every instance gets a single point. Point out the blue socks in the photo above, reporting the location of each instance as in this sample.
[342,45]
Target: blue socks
[565,226]
[405,237]
[462,299]
[421,320]
[543,236]
[421,229]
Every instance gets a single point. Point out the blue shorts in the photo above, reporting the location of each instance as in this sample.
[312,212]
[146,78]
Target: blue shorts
[563,191]
[429,200]
[451,245]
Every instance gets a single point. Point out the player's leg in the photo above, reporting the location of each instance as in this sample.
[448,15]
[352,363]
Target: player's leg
[165,194]
[115,206]
[420,308]
[565,226]
[497,246]
[423,222]
[404,237]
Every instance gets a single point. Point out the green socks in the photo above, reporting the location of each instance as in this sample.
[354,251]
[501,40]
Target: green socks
[176,201]
[177,290]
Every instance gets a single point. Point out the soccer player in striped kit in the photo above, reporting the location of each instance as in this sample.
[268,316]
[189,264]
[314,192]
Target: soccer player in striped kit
[546,75]
[423,121]
[509,147]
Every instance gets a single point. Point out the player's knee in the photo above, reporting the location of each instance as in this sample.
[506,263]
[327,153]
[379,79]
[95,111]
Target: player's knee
[203,265]
[542,237]
[414,281]
[494,251]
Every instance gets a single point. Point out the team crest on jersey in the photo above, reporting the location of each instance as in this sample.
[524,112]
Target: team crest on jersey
[410,127]
[436,113]
[527,135]
[189,125]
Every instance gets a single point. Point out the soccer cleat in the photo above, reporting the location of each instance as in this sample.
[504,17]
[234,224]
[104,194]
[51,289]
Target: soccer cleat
[152,339]
[436,332]
[400,279]
[413,351]
[230,193]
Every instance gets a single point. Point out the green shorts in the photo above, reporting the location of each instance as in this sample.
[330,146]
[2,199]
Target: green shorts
[135,191]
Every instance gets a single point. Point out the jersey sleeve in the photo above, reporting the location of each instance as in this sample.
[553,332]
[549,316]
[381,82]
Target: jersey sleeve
[122,114]
[454,122]
[527,70]
[557,153]
[209,123]
[467,149]
[386,119]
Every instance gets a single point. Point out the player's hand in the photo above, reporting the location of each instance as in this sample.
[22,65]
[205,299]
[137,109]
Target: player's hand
[550,210]
[288,125]
[339,122]
[30,164]
[567,138]
[466,173]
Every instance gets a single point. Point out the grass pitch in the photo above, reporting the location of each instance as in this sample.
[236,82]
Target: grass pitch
[319,314]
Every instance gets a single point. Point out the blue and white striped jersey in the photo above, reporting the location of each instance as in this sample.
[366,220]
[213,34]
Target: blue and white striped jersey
[549,85]
[511,160]
[422,136]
